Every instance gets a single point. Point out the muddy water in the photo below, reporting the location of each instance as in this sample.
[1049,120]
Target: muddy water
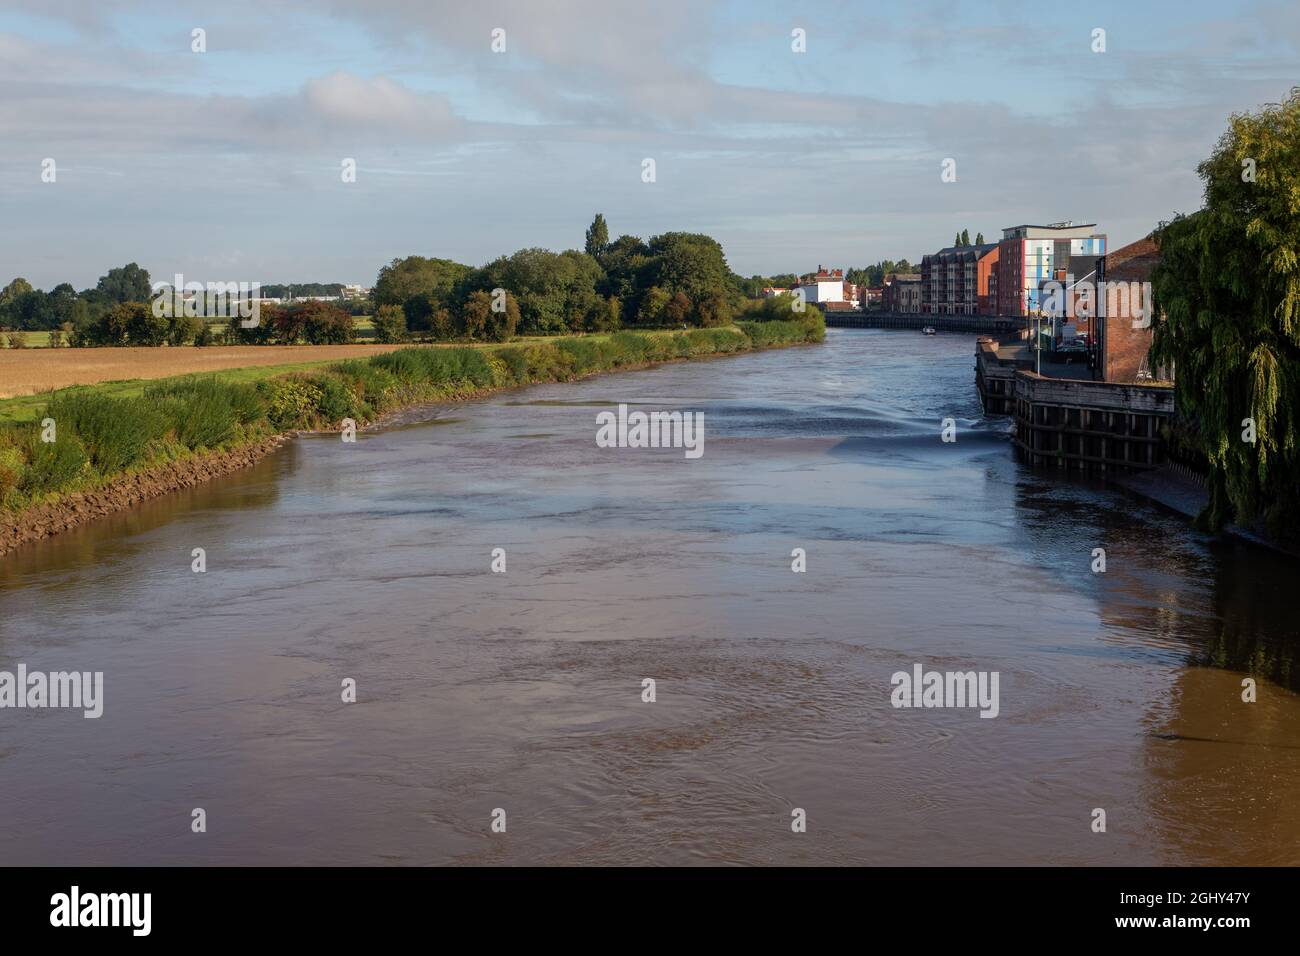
[522,690]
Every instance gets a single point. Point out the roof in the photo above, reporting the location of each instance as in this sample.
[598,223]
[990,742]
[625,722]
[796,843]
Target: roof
[1134,262]
[1052,225]
[980,250]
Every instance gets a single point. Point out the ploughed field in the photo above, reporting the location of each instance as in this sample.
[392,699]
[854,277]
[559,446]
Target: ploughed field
[28,371]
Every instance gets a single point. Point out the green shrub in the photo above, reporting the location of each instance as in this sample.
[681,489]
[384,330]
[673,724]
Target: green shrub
[373,385]
[291,402]
[636,347]
[12,466]
[54,465]
[516,361]
[336,401]
[810,328]
[116,432]
[390,324]
[204,410]
[581,354]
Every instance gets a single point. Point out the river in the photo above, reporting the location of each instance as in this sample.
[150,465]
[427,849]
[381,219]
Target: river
[522,691]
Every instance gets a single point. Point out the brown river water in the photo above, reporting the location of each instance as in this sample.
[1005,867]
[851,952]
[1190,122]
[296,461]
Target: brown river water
[523,691]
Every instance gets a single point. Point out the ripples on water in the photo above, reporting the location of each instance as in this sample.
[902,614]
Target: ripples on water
[522,690]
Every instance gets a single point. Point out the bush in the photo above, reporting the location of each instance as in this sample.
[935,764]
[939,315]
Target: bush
[336,401]
[11,469]
[183,329]
[516,363]
[291,402]
[390,324]
[374,386]
[810,328]
[263,333]
[205,412]
[51,466]
[18,339]
[116,432]
[145,328]
[324,323]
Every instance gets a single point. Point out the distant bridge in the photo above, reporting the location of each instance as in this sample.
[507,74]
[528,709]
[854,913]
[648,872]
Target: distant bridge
[988,324]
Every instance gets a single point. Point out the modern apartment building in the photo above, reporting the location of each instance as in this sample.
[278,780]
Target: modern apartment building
[1027,255]
[955,281]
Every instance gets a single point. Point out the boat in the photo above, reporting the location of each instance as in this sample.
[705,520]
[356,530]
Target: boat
[928,330]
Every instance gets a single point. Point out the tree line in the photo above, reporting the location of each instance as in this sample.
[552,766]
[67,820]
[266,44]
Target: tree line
[677,279]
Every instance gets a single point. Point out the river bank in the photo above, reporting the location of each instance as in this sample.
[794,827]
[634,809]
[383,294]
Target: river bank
[253,420]
[1179,490]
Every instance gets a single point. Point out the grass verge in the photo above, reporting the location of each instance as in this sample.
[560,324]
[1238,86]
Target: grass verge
[83,437]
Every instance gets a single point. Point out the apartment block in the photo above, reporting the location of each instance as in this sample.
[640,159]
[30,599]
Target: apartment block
[955,281]
[1028,255]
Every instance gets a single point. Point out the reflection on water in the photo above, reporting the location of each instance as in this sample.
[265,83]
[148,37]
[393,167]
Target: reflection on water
[523,690]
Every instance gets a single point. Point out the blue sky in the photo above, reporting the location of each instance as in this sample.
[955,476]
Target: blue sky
[225,165]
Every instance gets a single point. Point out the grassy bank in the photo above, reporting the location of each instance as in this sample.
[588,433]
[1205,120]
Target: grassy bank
[102,432]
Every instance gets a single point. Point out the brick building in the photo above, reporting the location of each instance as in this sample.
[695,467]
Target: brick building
[1028,255]
[1123,347]
[902,293]
[955,281]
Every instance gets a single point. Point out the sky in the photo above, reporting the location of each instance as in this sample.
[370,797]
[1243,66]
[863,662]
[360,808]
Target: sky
[226,165]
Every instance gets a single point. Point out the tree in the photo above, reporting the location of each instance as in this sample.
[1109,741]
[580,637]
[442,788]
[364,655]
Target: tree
[713,310]
[678,309]
[501,326]
[956,240]
[597,236]
[979,238]
[128,283]
[183,329]
[475,314]
[324,323]
[554,290]
[1227,304]
[653,306]
[604,314]
[270,326]
[127,323]
[288,324]
[14,289]
[403,279]
[390,324]
[689,263]
[965,238]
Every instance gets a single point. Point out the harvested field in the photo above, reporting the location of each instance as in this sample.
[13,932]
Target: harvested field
[28,371]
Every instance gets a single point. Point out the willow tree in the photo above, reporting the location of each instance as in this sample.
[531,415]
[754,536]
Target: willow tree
[1227,294]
